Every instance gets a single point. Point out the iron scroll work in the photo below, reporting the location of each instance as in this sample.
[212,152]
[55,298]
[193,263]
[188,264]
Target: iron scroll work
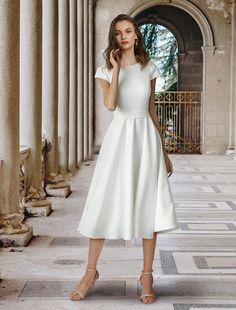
[180,119]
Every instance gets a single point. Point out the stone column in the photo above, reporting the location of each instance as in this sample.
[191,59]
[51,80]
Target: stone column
[234,68]
[49,82]
[11,216]
[56,185]
[80,82]
[232,125]
[63,84]
[86,79]
[91,79]
[73,86]
[30,97]
[208,64]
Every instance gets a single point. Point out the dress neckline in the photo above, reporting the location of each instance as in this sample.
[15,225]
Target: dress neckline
[131,66]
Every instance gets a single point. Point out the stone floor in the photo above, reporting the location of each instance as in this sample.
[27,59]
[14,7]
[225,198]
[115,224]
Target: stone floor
[194,267]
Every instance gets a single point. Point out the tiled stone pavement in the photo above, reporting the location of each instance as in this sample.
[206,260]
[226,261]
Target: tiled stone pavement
[194,267]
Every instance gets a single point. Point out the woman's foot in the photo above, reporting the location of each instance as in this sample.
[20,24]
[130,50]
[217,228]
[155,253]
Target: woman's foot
[89,277]
[146,281]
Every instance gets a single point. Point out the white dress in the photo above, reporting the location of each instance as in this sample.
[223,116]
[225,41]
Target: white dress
[129,194]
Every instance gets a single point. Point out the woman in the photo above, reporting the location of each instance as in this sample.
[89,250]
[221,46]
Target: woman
[129,195]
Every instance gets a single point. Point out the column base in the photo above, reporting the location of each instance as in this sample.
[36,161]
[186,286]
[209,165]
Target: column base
[39,211]
[16,240]
[13,232]
[57,186]
[63,191]
[35,203]
[231,151]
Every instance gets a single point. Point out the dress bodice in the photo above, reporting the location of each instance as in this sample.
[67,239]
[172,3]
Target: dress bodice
[134,85]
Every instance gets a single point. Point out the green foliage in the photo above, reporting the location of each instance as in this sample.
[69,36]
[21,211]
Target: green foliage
[162,48]
[173,87]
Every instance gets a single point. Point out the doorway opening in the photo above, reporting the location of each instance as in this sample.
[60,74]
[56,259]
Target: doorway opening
[173,41]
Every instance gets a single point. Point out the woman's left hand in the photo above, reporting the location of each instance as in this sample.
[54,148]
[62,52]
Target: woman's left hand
[169,166]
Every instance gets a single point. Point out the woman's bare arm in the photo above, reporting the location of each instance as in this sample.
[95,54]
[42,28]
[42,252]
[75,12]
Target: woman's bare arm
[152,111]
[156,122]
[110,91]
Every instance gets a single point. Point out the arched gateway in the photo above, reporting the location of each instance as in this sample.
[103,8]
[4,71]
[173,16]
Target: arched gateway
[189,103]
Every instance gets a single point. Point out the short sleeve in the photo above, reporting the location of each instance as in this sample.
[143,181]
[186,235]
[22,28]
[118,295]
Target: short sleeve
[153,71]
[103,73]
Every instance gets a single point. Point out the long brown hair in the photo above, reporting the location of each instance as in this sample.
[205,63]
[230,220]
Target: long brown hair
[139,50]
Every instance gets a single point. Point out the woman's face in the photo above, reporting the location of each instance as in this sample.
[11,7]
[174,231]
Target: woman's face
[125,34]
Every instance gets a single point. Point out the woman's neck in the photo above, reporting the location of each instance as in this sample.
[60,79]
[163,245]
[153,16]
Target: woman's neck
[128,58]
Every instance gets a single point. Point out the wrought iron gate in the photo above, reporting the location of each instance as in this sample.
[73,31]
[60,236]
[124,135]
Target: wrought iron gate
[180,118]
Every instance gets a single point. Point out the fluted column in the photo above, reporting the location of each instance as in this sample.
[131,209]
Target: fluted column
[50,82]
[63,83]
[80,82]
[10,215]
[91,79]
[30,84]
[86,78]
[73,86]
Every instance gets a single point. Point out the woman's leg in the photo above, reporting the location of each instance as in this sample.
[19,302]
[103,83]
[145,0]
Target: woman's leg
[95,247]
[148,256]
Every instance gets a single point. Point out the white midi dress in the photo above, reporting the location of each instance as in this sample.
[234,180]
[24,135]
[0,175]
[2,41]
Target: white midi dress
[130,194]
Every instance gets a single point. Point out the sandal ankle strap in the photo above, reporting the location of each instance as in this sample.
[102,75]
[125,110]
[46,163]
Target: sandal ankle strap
[149,272]
[90,269]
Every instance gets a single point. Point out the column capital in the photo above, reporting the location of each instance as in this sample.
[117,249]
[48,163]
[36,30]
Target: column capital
[209,49]
[182,55]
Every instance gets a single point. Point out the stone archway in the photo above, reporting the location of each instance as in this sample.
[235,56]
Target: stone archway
[188,38]
[190,8]
[208,47]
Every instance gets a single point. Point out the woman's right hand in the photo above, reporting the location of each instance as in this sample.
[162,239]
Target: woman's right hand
[115,58]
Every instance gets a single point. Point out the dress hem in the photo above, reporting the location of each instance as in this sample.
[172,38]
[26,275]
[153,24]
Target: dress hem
[110,237]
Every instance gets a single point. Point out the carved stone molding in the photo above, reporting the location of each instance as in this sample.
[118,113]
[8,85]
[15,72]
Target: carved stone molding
[12,224]
[209,50]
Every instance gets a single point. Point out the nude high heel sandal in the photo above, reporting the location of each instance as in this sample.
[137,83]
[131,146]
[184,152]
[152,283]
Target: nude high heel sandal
[147,294]
[90,289]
